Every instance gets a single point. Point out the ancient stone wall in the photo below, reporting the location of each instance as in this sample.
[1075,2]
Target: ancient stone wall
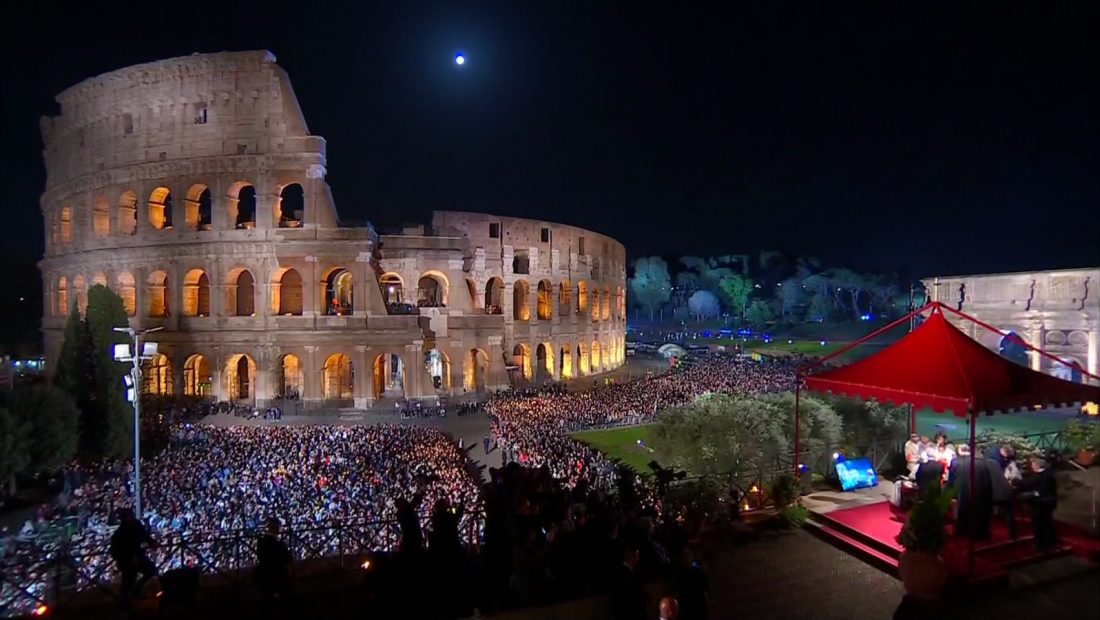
[192,188]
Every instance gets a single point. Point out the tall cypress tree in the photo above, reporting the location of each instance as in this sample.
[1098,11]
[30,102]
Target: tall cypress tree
[68,370]
[107,407]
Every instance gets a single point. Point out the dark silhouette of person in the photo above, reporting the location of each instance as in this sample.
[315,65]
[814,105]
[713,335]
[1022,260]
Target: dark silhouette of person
[1002,494]
[631,597]
[929,474]
[408,519]
[975,504]
[273,561]
[693,588]
[1040,492]
[128,546]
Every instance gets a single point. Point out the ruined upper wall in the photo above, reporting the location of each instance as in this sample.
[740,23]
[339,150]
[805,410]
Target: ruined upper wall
[229,103]
[1066,290]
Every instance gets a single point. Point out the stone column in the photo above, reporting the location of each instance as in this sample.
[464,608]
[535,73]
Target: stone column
[495,375]
[311,305]
[533,303]
[266,215]
[311,377]
[1093,354]
[362,378]
[175,294]
[414,369]
[362,277]
[179,208]
[217,376]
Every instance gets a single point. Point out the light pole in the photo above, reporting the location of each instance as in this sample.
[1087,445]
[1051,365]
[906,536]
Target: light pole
[135,356]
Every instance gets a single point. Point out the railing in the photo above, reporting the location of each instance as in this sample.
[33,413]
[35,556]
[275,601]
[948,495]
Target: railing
[68,573]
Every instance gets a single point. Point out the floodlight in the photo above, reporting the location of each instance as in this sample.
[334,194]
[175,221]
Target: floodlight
[148,349]
[122,352]
[128,380]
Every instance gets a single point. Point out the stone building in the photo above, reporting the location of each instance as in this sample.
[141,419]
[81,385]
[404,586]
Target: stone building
[1057,312]
[193,188]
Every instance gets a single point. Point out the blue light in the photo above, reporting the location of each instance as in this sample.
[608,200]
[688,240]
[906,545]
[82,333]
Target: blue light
[838,457]
[460,58]
[789,341]
[706,333]
[822,343]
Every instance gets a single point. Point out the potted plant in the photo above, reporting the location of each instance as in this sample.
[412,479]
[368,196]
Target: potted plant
[922,570]
[1083,437]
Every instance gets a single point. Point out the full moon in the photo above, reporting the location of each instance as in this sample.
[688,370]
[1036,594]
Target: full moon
[460,59]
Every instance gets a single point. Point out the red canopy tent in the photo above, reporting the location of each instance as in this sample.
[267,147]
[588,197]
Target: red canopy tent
[938,366]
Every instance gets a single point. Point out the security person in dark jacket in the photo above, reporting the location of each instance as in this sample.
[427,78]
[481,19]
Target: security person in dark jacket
[1040,492]
[128,545]
[273,569]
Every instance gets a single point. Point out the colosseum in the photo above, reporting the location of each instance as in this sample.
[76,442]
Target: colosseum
[193,188]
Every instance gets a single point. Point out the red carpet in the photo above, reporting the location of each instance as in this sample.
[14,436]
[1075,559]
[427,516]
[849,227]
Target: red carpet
[871,530]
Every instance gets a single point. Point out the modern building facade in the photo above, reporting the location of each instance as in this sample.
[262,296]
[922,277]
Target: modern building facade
[1057,312]
[193,188]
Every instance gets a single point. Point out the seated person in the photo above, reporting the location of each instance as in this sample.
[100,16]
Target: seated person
[941,452]
[912,454]
[929,474]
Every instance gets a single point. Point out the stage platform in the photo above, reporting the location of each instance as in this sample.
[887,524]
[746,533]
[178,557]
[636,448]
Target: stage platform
[864,524]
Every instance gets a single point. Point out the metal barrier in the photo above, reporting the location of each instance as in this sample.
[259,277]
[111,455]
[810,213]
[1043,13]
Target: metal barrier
[67,573]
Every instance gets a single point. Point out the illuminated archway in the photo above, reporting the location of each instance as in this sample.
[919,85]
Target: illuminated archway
[439,368]
[566,361]
[605,356]
[544,357]
[605,304]
[240,292]
[127,212]
[160,208]
[197,379]
[286,293]
[521,301]
[80,290]
[582,297]
[476,370]
[432,290]
[156,375]
[99,278]
[290,376]
[66,225]
[196,293]
[594,363]
[544,306]
[241,205]
[198,207]
[521,357]
[336,377]
[583,358]
[240,373]
[389,375]
[62,296]
[127,290]
[594,303]
[290,206]
[158,294]
[494,296]
[101,217]
[393,288]
[564,298]
[339,292]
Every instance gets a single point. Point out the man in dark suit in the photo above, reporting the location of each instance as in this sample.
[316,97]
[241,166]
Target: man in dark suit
[1002,490]
[273,561]
[631,596]
[1040,492]
[128,550]
[975,505]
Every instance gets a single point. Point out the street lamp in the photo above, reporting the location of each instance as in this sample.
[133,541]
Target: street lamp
[135,356]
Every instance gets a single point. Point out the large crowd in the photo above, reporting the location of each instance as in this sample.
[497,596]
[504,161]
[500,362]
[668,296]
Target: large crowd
[212,480]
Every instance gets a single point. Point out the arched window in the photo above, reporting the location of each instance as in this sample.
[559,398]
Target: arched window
[288,293]
[157,375]
[494,296]
[66,225]
[582,297]
[438,366]
[605,303]
[339,289]
[431,291]
[240,372]
[336,377]
[196,293]
[158,294]
[241,293]
[160,208]
[198,207]
[101,217]
[521,301]
[127,212]
[565,357]
[197,380]
[392,289]
[241,205]
[545,305]
[127,290]
[62,296]
[564,298]
[521,357]
[290,206]
[290,377]
[80,290]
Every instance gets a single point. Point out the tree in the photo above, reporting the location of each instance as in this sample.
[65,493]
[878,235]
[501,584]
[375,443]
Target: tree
[851,282]
[14,457]
[51,420]
[791,296]
[736,289]
[70,365]
[106,417]
[760,314]
[704,305]
[821,428]
[650,283]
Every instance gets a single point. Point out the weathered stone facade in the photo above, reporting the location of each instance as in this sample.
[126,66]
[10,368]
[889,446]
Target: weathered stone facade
[192,187]
[1055,311]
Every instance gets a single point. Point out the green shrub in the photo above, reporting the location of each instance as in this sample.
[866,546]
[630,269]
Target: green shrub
[795,515]
[926,527]
[784,491]
[1081,435]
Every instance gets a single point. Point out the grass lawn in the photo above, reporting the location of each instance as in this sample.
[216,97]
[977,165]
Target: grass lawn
[928,423]
[621,444]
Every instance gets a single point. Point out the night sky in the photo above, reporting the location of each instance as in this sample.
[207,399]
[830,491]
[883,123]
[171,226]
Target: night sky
[945,141]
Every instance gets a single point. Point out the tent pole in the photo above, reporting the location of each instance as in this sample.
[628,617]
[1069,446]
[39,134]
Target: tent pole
[912,420]
[797,426]
[972,508]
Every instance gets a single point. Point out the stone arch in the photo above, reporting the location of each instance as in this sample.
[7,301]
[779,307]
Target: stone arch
[199,206]
[241,205]
[336,377]
[521,301]
[494,296]
[545,306]
[564,294]
[65,225]
[127,212]
[393,288]
[565,361]
[620,303]
[240,377]
[156,375]
[127,290]
[160,208]
[196,293]
[582,297]
[388,370]
[544,362]
[101,217]
[197,378]
[289,376]
[158,293]
[521,357]
[62,296]
[241,292]
[339,289]
[605,356]
[439,368]
[432,290]
[594,363]
[476,370]
[287,292]
[605,303]
[80,291]
[583,358]
[99,278]
[290,206]
[594,303]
